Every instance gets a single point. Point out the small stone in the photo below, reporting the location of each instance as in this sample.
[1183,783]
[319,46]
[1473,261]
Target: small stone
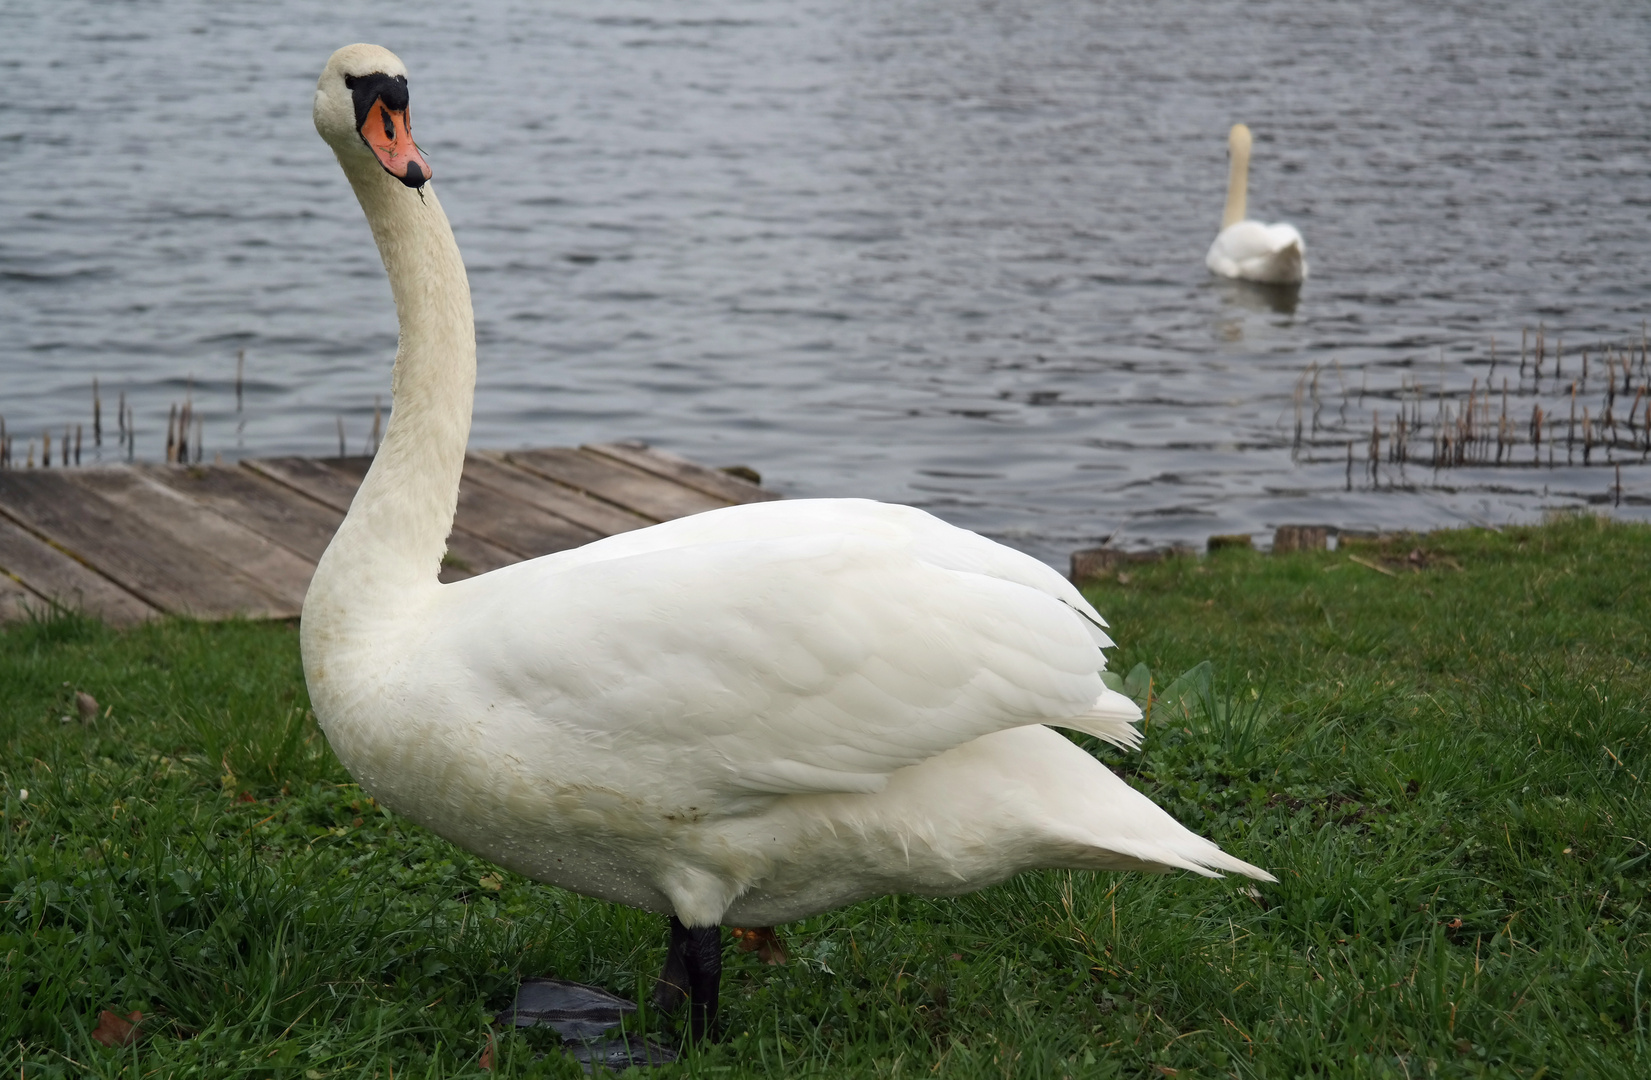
[87,705]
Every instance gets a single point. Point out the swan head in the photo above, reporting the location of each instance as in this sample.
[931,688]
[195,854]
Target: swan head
[1238,140]
[362,110]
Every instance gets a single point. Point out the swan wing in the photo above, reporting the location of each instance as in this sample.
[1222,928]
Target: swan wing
[788,648]
[1258,252]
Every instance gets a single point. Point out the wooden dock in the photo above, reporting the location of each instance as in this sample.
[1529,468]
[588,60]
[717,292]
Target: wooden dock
[129,543]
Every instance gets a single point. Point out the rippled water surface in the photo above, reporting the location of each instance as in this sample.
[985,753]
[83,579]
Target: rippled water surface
[942,252]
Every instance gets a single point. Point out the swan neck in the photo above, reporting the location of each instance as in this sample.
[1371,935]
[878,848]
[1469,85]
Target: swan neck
[388,552]
[1238,182]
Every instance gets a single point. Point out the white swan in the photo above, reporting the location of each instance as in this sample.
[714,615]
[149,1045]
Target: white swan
[1272,254]
[747,716]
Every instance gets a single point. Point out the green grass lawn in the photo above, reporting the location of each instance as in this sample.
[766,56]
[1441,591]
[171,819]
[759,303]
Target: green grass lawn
[1443,765]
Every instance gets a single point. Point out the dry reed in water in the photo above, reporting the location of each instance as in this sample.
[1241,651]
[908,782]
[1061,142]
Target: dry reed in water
[1471,428]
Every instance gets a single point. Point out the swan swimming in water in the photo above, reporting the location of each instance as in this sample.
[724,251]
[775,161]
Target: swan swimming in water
[743,717]
[1249,250]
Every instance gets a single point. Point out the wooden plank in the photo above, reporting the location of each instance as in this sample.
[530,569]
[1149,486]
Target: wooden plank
[515,525]
[310,477]
[49,573]
[355,466]
[713,482]
[128,543]
[276,571]
[141,558]
[273,511]
[646,494]
[16,602]
[489,469]
[468,553]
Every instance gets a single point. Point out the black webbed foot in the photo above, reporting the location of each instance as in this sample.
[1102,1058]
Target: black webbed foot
[693,972]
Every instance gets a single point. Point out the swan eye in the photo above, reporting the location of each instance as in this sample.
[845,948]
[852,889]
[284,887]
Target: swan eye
[367,90]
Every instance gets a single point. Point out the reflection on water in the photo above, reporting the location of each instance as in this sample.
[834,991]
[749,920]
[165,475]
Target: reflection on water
[1258,296]
[947,252]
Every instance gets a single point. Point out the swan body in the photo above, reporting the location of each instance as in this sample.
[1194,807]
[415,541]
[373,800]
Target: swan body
[759,713]
[750,715]
[1249,250]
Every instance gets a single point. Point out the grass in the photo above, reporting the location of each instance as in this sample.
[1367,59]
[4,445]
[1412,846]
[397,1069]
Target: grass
[1442,764]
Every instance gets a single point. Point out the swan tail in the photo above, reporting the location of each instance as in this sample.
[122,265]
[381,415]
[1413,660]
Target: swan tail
[1205,860]
[1215,863]
[1110,825]
[1156,844]
[1111,719]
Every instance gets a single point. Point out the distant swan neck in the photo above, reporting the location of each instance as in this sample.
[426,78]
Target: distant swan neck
[1238,182]
[388,552]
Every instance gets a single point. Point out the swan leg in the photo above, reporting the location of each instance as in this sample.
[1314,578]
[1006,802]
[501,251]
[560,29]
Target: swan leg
[693,970]
[672,987]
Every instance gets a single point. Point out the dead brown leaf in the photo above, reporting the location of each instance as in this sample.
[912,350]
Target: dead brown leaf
[763,941]
[114,1030]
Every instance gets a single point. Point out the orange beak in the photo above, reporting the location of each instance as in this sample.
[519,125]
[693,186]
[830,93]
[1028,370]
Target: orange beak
[388,133]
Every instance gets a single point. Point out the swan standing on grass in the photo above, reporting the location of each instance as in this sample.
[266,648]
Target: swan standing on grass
[1271,254]
[743,717]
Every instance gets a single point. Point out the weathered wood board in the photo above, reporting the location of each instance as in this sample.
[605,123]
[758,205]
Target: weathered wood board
[131,543]
[279,573]
[129,550]
[274,511]
[50,576]
[623,485]
[604,518]
[713,482]
[16,601]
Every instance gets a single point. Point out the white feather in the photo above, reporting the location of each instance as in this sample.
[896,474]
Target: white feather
[1270,254]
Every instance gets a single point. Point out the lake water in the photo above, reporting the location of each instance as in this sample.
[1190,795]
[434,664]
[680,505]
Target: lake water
[944,252]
